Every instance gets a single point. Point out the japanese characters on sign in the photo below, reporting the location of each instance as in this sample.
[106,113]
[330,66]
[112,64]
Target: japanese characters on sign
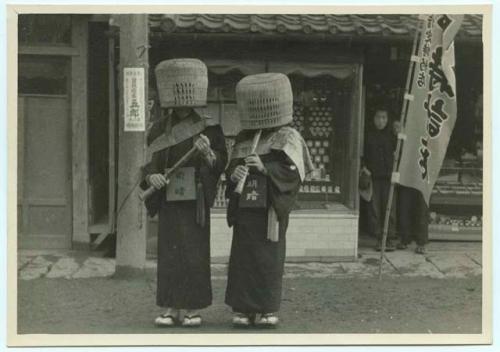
[134,102]
[435,104]
[432,110]
[254,193]
[182,185]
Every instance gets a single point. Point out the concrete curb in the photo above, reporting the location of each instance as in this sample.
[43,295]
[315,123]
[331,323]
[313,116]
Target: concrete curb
[438,265]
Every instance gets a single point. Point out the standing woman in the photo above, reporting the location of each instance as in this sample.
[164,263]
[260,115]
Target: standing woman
[183,202]
[259,216]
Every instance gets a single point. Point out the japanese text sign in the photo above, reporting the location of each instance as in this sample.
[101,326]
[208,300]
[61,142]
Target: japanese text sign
[133,98]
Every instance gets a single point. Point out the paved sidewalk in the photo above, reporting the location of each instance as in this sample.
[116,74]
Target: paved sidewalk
[443,260]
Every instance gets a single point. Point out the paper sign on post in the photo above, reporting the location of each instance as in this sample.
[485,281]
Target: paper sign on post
[134,102]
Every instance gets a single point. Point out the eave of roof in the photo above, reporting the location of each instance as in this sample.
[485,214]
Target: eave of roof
[354,26]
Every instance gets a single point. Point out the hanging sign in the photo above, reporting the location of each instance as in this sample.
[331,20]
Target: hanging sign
[254,193]
[133,98]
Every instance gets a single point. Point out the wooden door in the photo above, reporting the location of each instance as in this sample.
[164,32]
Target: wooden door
[44,170]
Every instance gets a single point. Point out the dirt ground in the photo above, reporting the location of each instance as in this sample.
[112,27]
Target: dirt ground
[310,305]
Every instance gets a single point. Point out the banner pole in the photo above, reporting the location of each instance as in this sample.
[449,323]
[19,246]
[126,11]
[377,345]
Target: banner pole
[399,145]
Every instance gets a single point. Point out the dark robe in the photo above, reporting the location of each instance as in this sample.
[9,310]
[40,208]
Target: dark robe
[256,264]
[378,158]
[183,243]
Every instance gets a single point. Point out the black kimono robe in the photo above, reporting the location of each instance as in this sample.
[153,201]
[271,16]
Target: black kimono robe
[256,264]
[183,276]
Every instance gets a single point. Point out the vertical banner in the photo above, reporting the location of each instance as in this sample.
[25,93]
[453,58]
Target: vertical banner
[432,108]
[133,98]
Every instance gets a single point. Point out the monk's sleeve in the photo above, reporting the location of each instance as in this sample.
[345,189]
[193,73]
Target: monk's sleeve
[230,185]
[154,201]
[154,166]
[232,207]
[218,146]
[210,173]
[285,182]
[156,130]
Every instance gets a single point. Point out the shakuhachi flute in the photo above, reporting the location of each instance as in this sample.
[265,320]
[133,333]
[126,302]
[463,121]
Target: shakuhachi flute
[255,142]
[147,193]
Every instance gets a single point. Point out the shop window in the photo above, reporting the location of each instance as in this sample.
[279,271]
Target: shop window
[321,111]
[42,75]
[321,114]
[222,100]
[48,29]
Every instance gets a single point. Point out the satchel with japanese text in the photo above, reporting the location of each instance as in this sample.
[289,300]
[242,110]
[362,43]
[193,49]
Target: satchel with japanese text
[182,185]
[254,193]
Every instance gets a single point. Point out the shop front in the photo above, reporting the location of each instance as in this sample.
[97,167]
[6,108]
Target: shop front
[339,67]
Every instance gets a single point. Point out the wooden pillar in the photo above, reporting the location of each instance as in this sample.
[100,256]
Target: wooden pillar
[79,134]
[131,214]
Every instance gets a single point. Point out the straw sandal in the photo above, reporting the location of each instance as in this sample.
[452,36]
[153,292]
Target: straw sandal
[242,320]
[191,320]
[420,250]
[166,320]
[268,320]
[402,246]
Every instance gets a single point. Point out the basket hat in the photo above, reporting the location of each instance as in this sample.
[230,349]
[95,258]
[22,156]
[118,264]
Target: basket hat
[182,83]
[264,100]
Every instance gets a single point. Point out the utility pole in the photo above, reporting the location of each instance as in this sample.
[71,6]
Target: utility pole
[131,215]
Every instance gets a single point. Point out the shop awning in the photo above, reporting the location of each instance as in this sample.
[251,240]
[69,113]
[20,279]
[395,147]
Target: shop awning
[310,70]
[221,67]
[340,25]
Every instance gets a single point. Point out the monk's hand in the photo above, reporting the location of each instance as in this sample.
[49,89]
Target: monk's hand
[158,181]
[203,144]
[239,173]
[254,161]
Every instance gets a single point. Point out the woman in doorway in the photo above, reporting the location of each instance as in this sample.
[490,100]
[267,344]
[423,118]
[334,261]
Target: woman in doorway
[183,202]
[378,157]
[259,215]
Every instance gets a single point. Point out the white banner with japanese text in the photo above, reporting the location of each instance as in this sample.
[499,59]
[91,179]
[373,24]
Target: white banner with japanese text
[432,108]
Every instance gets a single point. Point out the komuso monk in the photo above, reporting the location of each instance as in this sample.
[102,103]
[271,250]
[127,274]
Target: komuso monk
[259,215]
[183,201]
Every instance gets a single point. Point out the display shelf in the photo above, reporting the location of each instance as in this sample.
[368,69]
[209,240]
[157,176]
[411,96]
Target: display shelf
[454,233]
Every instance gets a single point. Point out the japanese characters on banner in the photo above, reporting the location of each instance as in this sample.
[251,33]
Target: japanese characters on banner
[432,108]
[134,102]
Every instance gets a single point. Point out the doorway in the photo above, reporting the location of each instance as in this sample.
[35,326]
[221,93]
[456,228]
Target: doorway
[44,153]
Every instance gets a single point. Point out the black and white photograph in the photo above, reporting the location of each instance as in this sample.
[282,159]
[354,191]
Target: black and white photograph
[202,176]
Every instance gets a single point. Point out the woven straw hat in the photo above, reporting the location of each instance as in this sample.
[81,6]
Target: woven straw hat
[264,100]
[182,83]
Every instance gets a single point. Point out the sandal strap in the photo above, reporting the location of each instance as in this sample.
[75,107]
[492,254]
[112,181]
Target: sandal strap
[192,316]
[268,315]
[242,315]
[167,316]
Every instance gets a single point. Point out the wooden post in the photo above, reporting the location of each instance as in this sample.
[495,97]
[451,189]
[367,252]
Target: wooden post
[79,135]
[399,146]
[131,216]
